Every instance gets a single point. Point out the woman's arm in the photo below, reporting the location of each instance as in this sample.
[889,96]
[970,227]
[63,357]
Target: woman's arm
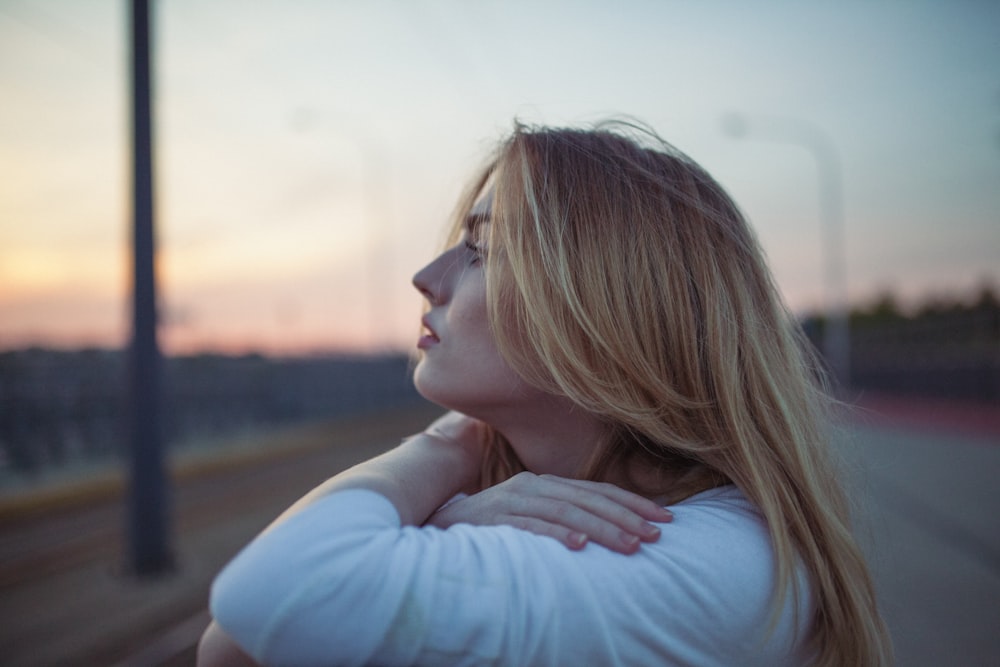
[572,511]
[418,476]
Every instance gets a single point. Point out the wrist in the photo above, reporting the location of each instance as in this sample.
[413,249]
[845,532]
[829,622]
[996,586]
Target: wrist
[455,461]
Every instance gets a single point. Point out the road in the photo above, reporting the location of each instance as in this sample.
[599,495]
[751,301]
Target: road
[929,502]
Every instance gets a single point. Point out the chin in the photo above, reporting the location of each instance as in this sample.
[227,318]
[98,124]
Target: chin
[427,386]
[484,393]
[445,399]
[454,398]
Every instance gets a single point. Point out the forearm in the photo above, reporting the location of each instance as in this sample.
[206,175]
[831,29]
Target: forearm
[417,477]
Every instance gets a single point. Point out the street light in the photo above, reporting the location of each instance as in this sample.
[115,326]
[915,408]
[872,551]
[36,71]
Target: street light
[836,332]
[148,523]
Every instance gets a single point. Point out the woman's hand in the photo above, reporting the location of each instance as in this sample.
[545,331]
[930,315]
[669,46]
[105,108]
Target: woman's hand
[572,511]
[457,429]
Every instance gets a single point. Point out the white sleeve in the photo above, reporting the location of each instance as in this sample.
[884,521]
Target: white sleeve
[342,583]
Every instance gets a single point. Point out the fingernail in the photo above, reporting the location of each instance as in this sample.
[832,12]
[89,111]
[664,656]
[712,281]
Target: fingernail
[628,539]
[650,530]
[577,539]
[666,514]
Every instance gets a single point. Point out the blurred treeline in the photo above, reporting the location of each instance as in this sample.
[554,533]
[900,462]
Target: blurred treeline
[60,409]
[942,347]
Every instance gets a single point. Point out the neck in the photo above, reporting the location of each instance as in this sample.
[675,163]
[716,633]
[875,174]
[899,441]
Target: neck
[557,437]
[552,435]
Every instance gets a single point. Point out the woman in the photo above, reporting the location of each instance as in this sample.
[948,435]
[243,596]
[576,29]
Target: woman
[605,328]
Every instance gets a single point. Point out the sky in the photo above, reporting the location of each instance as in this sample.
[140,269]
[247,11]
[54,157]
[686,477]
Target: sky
[308,153]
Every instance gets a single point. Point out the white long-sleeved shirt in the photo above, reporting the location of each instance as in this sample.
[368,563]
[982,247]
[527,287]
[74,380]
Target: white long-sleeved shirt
[342,583]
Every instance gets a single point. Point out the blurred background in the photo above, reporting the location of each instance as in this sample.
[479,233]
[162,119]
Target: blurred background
[308,154]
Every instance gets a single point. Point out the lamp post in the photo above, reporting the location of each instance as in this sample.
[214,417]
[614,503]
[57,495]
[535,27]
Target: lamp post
[836,332]
[148,517]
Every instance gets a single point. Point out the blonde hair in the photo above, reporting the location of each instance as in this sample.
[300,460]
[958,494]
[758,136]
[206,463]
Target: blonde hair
[622,276]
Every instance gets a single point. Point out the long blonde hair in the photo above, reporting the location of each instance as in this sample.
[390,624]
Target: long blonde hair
[622,276]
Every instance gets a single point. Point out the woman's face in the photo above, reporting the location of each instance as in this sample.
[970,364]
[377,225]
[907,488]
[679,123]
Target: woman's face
[461,367]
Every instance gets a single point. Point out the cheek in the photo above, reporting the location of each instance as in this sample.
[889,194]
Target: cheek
[471,328]
[468,316]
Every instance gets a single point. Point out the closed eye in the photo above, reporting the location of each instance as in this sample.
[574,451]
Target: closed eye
[477,252]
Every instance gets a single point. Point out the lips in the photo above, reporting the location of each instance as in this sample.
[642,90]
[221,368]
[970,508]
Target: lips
[428,337]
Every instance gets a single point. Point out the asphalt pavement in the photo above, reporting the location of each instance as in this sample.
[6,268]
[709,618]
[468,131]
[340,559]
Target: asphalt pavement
[928,503]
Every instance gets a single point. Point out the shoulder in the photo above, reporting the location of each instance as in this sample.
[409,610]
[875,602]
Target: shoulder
[702,594]
[716,547]
[720,523]
[705,589]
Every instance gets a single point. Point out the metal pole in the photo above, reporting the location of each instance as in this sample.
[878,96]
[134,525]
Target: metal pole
[148,548]
[836,331]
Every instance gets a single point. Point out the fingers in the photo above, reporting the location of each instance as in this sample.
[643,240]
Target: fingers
[572,539]
[453,427]
[568,518]
[644,507]
[571,511]
[606,514]
[626,510]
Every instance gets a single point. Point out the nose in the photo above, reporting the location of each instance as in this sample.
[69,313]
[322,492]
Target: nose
[430,280]
[421,280]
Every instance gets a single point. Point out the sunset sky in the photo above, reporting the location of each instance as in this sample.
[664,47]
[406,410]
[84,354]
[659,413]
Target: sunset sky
[308,152]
